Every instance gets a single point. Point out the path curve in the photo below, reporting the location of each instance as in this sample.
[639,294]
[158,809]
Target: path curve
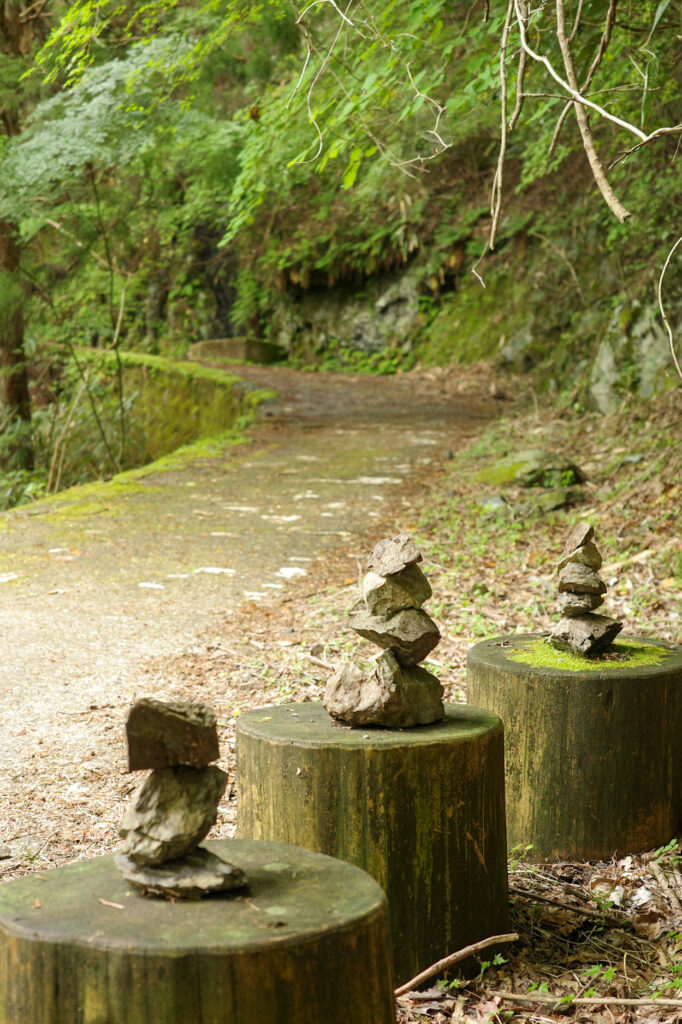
[91,592]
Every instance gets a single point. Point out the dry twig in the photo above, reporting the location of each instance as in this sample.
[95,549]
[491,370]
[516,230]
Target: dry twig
[454,958]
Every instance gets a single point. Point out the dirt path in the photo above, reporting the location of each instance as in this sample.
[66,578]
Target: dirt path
[91,590]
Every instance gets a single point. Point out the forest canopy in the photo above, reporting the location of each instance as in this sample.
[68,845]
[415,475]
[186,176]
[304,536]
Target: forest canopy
[169,170]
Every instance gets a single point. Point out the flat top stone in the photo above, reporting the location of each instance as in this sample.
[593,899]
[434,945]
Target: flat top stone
[162,734]
[580,579]
[578,536]
[393,554]
[293,895]
[309,725]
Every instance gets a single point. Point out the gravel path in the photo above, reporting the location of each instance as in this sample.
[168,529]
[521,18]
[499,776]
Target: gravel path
[93,588]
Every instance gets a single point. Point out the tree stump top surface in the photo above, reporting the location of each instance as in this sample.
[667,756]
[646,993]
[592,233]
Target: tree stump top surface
[522,655]
[293,895]
[309,725]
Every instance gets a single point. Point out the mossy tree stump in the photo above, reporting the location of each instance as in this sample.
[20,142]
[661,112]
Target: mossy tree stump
[308,942]
[593,748]
[420,809]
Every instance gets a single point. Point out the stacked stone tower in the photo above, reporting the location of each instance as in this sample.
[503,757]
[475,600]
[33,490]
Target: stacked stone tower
[392,689]
[177,803]
[581,590]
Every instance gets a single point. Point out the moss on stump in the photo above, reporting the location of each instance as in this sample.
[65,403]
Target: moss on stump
[420,809]
[593,747]
[308,942]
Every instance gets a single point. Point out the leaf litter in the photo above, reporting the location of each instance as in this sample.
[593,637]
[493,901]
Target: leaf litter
[599,942]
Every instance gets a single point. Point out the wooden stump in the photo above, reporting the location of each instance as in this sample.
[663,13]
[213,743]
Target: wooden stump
[308,942]
[593,749]
[421,809]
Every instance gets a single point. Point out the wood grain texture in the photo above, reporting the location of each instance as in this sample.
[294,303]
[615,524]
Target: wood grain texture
[308,930]
[420,809]
[593,757]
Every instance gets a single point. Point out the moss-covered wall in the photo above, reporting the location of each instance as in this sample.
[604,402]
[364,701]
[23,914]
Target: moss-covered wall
[173,403]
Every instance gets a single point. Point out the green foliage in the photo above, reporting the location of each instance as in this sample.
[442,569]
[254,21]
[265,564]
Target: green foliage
[340,358]
[193,161]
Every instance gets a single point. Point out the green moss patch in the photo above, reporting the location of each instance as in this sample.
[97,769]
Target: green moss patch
[621,654]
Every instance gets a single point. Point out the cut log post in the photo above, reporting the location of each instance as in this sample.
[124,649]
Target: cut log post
[593,747]
[420,809]
[308,942]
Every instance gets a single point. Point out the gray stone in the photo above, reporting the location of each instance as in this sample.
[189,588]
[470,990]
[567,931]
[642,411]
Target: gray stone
[587,554]
[580,579]
[198,874]
[393,554]
[386,595]
[410,634]
[242,349]
[385,312]
[5,851]
[587,634]
[604,378]
[493,503]
[171,813]
[572,605]
[651,349]
[579,535]
[162,734]
[384,693]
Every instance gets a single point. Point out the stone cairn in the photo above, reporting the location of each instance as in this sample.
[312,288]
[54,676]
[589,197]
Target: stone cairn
[581,590]
[392,689]
[177,803]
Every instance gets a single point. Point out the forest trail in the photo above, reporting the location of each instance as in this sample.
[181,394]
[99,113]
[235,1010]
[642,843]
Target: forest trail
[92,588]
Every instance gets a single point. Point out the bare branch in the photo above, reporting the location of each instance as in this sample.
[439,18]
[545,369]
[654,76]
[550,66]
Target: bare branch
[576,22]
[612,201]
[461,954]
[659,294]
[520,74]
[675,129]
[547,999]
[574,93]
[592,70]
[325,61]
[496,195]
[316,2]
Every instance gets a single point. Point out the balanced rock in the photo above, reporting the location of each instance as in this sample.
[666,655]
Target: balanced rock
[580,592]
[393,554]
[585,634]
[411,634]
[392,690]
[587,554]
[162,734]
[580,579]
[171,813]
[579,535]
[384,693]
[570,605]
[386,595]
[197,874]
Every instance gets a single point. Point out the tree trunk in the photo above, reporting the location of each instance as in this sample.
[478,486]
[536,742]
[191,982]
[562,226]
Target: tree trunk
[19,26]
[307,943]
[421,809]
[593,754]
[12,358]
